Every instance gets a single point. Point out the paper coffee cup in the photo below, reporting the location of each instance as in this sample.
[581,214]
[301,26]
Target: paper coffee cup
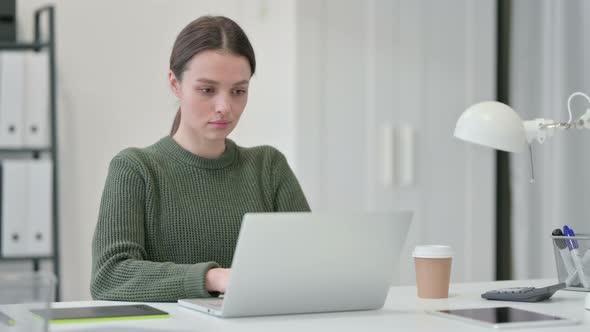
[433,270]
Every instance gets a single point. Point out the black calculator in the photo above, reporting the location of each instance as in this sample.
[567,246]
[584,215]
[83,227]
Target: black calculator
[523,294]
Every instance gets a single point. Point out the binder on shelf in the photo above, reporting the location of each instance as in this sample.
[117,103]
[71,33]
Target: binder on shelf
[39,211]
[36,102]
[14,199]
[12,88]
[26,208]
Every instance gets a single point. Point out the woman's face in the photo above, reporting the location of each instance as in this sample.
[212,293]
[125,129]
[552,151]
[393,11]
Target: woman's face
[213,93]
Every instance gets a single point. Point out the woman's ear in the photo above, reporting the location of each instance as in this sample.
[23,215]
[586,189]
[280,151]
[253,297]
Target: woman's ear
[174,84]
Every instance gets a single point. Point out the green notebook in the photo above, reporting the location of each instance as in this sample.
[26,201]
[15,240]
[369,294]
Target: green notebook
[100,314]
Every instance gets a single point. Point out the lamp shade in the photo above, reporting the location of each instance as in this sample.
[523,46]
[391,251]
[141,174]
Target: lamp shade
[492,124]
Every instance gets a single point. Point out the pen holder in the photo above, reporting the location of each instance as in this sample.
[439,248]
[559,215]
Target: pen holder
[21,292]
[572,258]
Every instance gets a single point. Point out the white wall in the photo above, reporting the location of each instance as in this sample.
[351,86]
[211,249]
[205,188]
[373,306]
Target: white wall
[366,65]
[112,79]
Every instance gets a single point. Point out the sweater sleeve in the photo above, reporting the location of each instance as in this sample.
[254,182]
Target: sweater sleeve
[121,269]
[289,196]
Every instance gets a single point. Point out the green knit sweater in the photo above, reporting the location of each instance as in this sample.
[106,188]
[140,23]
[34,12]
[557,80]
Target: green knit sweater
[167,216]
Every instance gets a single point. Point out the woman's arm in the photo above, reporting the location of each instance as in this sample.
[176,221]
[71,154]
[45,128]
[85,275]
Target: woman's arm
[120,269]
[289,196]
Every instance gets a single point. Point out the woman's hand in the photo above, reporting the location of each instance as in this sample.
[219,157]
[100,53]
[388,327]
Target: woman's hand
[216,279]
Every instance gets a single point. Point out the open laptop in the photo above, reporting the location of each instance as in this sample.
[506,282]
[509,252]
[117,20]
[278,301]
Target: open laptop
[308,262]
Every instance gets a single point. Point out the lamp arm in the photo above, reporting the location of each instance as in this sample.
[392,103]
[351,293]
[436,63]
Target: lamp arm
[539,129]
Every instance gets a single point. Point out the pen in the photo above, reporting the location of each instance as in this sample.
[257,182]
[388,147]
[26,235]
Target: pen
[5,319]
[565,257]
[573,247]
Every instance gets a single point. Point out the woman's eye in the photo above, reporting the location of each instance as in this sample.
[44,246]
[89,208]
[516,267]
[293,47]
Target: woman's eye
[206,90]
[239,92]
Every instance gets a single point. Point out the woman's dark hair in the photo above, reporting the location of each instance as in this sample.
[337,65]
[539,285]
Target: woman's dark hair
[208,33]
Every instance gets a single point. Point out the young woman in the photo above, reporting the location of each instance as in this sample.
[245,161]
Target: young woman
[170,213]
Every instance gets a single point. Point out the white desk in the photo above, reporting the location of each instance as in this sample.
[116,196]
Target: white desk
[403,311]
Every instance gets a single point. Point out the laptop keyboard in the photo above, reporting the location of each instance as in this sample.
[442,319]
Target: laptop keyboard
[216,303]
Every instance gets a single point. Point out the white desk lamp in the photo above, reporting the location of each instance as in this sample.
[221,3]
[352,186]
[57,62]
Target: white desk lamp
[496,125]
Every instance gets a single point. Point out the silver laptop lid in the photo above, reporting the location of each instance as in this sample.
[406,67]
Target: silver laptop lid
[288,263]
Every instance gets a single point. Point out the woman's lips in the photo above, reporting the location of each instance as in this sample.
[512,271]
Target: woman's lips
[220,124]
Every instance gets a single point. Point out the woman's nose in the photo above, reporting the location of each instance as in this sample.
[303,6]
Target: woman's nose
[222,106]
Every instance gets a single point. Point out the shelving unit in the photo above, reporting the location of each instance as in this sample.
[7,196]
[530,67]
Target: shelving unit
[46,45]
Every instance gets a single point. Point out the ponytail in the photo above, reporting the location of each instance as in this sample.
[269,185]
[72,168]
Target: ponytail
[176,123]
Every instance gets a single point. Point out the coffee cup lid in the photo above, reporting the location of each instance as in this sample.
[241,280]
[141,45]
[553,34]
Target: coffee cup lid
[433,251]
